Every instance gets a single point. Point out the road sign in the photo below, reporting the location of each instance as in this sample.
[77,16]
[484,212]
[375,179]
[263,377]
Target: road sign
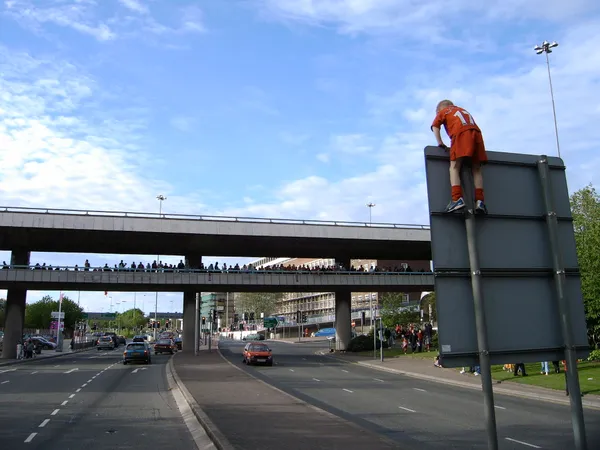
[270,322]
[507,284]
[515,258]
[84,316]
[56,315]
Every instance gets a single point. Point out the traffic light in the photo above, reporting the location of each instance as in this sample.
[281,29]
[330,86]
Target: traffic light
[203,320]
[214,315]
[303,318]
[245,316]
[236,318]
[362,316]
[251,316]
[241,326]
[167,324]
[298,316]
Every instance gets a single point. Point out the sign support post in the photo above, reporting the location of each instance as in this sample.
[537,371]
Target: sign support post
[563,307]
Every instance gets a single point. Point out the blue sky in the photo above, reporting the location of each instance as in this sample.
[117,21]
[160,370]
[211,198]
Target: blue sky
[276,108]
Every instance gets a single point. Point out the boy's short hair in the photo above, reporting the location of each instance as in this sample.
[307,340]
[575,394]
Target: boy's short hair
[443,104]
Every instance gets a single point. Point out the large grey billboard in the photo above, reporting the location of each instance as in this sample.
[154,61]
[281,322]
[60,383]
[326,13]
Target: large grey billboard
[515,258]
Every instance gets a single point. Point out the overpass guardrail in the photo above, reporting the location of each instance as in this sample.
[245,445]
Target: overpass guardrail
[147,215]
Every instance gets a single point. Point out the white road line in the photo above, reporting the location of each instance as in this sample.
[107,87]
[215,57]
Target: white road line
[44,423]
[55,412]
[291,370]
[303,359]
[58,365]
[64,403]
[4,382]
[72,395]
[89,381]
[344,370]
[406,409]
[72,370]
[78,390]
[316,379]
[84,385]
[377,379]
[499,407]
[7,370]
[419,389]
[348,390]
[30,437]
[522,443]
[35,371]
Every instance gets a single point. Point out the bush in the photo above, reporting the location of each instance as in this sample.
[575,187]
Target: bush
[364,343]
[435,343]
[594,355]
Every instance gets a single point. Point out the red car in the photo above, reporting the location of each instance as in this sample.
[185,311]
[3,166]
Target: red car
[165,346]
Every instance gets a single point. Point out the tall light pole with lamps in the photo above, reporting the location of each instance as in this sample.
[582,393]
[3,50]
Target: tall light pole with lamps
[546,48]
[161,198]
[370,205]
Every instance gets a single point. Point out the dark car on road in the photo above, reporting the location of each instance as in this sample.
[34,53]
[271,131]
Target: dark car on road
[140,338]
[137,352]
[178,343]
[164,346]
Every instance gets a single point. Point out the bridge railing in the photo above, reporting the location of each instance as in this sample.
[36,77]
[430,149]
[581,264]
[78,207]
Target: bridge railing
[147,215]
[187,270]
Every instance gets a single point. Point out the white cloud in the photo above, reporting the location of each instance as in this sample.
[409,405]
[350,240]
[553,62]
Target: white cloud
[182,123]
[353,144]
[323,157]
[89,17]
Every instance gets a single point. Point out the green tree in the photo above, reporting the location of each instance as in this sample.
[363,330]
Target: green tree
[258,302]
[394,310]
[132,318]
[37,315]
[429,300]
[2,311]
[585,207]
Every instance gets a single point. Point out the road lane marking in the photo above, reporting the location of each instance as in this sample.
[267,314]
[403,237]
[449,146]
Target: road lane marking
[78,390]
[316,379]
[344,370]
[4,382]
[92,357]
[377,379]
[499,407]
[84,385]
[44,423]
[72,395]
[72,370]
[30,437]
[35,371]
[522,443]
[291,370]
[7,370]
[64,403]
[55,412]
[347,390]
[406,409]
[303,359]
[419,389]
[58,365]
[89,381]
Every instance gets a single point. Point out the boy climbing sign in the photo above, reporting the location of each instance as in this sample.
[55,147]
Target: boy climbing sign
[466,142]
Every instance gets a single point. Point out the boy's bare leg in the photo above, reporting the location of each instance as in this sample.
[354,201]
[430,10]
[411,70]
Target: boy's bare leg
[457,201]
[477,175]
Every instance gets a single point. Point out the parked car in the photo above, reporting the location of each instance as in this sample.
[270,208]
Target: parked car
[254,337]
[257,353]
[178,343]
[42,343]
[105,342]
[137,352]
[165,346]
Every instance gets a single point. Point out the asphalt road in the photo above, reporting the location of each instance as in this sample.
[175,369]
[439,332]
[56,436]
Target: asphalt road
[89,400]
[416,414]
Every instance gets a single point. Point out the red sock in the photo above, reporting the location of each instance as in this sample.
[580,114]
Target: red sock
[479,194]
[456,193]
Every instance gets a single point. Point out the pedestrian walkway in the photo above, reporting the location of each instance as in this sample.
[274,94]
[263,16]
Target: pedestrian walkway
[45,354]
[245,413]
[424,369]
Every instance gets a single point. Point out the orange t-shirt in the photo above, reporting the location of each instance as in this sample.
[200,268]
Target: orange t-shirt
[455,120]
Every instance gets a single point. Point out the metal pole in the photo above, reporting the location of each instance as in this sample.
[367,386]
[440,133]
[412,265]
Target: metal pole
[374,326]
[210,331]
[160,200]
[227,311]
[197,325]
[553,105]
[59,341]
[481,326]
[381,331]
[563,307]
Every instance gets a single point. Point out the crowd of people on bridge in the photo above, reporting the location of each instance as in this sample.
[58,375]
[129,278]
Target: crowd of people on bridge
[224,268]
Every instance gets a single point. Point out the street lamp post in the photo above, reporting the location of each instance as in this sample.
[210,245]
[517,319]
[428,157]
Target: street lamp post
[370,205]
[161,198]
[546,48]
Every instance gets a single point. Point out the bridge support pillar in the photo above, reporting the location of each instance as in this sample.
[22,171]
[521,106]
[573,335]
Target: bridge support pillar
[14,318]
[189,308]
[343,318]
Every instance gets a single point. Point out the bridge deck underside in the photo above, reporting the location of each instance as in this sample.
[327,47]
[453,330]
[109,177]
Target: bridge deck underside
[202,282]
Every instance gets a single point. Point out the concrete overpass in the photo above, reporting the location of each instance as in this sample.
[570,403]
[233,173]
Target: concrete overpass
[48,280]
[23,230]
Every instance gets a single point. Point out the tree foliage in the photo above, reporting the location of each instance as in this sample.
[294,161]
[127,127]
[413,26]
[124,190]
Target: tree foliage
[585,207]
[258,302]
[394,311]
[132,318]
[2,311]
[37,315]
[429,300]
